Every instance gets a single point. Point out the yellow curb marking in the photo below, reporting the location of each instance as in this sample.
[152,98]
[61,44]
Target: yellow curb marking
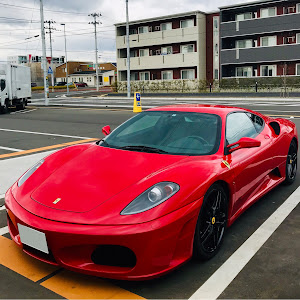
[46,148]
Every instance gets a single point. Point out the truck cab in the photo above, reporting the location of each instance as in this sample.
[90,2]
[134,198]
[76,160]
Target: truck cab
[15,86]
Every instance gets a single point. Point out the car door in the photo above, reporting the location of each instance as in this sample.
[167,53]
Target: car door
[250,165]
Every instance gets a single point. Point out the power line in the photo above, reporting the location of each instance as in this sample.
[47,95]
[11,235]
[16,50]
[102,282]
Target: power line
[50,10]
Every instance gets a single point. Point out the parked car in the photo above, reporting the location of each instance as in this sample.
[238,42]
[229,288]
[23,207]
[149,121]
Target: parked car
[159,189]
[81,84]
[62,83]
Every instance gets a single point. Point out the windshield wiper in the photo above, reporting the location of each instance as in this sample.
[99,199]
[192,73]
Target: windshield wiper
[144,149]
[104,143]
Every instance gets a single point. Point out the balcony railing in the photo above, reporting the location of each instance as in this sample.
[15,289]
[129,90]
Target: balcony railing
[261,54]
[160,61]
[279,23]
[179,35]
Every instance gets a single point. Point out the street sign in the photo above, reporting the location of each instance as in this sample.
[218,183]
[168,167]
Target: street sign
[50,71]
[137,106]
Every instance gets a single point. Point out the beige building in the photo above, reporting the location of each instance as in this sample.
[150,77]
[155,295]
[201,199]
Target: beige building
[164,48]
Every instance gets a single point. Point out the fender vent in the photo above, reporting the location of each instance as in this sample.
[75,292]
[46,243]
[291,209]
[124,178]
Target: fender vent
[276,127]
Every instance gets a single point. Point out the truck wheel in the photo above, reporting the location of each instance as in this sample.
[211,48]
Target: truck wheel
[22,105]
[3,109]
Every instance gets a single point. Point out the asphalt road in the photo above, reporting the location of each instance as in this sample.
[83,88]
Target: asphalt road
[273,272]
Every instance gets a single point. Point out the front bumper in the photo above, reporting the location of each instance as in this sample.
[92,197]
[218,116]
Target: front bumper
[159,246]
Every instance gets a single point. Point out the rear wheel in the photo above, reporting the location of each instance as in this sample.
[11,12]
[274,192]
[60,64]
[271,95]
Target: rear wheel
[291,164]
[211,224]
[22,105]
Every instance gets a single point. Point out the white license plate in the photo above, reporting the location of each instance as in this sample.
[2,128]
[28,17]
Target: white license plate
[33,238]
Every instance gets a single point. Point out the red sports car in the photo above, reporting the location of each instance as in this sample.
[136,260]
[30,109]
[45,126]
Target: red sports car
[159,189]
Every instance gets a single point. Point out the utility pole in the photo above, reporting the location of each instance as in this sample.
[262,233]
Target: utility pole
[128,52]
[44,59]
[95,23]
[50,33]
[67,73]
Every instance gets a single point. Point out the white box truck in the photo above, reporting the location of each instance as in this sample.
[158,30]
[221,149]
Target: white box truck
[15,86]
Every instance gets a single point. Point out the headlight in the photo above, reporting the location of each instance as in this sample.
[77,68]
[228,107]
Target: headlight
[152,197]
[29,172]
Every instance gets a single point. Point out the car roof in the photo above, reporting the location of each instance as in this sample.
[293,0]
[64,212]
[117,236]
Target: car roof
[220,110]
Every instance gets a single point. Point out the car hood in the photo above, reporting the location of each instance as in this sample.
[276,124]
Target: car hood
[96,175]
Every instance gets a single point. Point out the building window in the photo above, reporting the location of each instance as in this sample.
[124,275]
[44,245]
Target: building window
[216,74]
[268,12]
[133,53]
[167,75]
[145,76]
[187,48]
[188,74]
[144,52]
[244,16]
[298,69]
[216,23]
[290,40]
[166,26]
[268,41]
[166,50]
[268,70]
[187,23]
[134,76]
[244,44]
[243,72]
[132,31]
[290,10]
[143,29]
[298,38]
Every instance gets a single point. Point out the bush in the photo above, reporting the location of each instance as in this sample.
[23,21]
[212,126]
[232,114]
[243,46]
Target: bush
[41,88]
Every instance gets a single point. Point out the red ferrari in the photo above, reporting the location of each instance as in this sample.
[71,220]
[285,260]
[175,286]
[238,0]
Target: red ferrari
[159,189]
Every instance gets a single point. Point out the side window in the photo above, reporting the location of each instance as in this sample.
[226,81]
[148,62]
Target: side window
[257,121]
[239,125]
[2,84]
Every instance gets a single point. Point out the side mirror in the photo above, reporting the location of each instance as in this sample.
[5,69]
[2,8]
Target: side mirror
[106,130]
[244,142]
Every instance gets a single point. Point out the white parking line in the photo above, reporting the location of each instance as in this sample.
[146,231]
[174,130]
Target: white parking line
[11,149]
[220,280]
[44,133]
[2,207]
[2,196]
[4,230]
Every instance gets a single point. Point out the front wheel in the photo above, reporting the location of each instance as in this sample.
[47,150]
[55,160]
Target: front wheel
[291,164]
[211,224]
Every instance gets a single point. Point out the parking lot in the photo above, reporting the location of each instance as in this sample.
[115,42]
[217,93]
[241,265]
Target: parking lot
[247,266]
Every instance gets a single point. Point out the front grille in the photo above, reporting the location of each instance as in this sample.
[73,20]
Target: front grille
[114,256]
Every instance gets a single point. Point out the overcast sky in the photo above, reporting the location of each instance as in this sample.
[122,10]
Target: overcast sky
[19,23]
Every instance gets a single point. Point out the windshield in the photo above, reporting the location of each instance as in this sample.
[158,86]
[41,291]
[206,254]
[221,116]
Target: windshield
[177,133]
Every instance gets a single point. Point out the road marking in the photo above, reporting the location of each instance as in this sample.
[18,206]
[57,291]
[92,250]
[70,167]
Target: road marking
[12,257]
[46,148]
[44,133]
[10,149]
[27,111]
[3,231]
[77,286]
[220,280]
[2,196]
[2,207]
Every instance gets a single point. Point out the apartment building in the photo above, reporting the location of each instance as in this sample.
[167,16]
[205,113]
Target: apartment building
[26,59]
[164,48]
[260,39]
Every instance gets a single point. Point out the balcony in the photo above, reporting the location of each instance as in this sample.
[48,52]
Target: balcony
[288,22]
[261,54]
[160,61]
[179,35]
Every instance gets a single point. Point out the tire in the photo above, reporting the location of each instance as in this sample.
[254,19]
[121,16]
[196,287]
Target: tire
[22,105]
[211,224]
[4,109]
[291,164]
